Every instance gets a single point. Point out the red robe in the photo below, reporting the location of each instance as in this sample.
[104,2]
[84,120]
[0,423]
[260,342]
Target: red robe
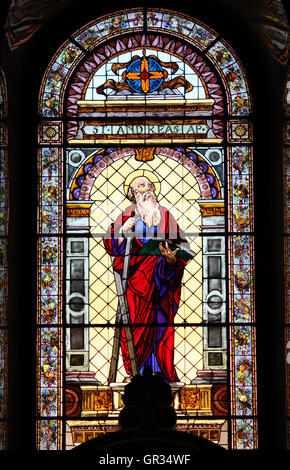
[153,294]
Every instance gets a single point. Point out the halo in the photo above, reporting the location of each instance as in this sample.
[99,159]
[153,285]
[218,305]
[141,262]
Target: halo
[148,174]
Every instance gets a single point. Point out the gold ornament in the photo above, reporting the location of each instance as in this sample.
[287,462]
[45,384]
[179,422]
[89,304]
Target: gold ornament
[240,131]
[50,132]
[144,154]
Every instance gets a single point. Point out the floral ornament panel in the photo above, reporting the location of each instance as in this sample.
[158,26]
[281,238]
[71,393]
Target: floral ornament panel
[58,71]
[49,341]
[49,434]
[49,396]
[244,434]
[244,385]
[242,276]
[49,353]
[49,219]
[3,191]
[92,34]
[3,381]
[50,190]
[242,307]
[3,280]
[49,283]
[240,190]
[48,402]
[244,371]
[49,308]
[242,279]
[180,25]
[234,78]
[48,304]
[50,162]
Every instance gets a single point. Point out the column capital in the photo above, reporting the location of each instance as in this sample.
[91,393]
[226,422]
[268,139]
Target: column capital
[78,208]
[210,207]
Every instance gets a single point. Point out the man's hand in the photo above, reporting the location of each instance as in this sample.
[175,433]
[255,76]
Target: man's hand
[129,225]
[168,253]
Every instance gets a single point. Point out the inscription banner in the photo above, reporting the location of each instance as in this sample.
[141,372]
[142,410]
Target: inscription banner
[148,129]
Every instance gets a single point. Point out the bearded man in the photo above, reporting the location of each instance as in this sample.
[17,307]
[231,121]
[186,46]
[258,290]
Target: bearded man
[155,274]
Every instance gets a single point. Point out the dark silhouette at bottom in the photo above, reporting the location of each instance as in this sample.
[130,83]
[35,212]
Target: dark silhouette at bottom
[146,424]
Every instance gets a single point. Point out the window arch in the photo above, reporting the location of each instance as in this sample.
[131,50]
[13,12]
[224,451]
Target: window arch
[204,163]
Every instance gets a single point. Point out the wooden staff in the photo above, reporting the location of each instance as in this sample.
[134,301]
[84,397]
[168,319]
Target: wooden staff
[123,316]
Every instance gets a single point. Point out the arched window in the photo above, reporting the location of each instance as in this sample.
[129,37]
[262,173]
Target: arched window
[145,100]
[72,70]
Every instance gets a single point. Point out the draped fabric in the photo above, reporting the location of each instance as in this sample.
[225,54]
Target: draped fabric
[153,295]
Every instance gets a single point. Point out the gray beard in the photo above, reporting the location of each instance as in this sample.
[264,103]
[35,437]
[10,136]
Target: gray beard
[148,208]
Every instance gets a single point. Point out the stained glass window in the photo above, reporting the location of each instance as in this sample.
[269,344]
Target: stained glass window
[136,108]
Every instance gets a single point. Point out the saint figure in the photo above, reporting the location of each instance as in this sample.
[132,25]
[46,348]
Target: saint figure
[155,275]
